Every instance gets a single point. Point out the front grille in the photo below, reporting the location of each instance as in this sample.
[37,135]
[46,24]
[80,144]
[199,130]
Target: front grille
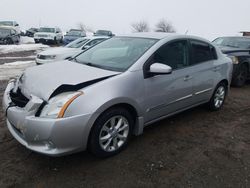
[18,98]
[42,35]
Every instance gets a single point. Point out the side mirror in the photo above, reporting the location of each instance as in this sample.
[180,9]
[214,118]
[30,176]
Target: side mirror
[17,25]
[159,69]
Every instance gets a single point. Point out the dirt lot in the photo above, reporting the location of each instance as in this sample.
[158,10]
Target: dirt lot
[194,149]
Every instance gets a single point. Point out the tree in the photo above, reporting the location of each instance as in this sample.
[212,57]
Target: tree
[141,26]
[165,26]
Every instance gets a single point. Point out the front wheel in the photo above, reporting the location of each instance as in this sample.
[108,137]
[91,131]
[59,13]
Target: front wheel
[111,132]
[217,100]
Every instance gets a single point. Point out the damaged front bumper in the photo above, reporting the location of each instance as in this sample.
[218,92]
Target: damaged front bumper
[53,137]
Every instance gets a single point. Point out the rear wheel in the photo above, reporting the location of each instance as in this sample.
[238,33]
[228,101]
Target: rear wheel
[217,100]
[111,132]
[241,78]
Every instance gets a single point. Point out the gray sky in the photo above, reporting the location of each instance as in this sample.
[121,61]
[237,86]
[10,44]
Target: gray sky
[205,18]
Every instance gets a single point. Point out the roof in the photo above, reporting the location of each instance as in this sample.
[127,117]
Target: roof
[96,37]
[153,35]
[162,35]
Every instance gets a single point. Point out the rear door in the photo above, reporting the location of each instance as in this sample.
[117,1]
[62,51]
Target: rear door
[203,62]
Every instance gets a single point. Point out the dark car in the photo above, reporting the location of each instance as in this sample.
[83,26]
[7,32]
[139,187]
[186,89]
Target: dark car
[9,36]
[30,32]
[104,33]
[238,48]
[72,35]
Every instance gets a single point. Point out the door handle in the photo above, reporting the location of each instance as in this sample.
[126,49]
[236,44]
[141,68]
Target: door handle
[216,68]
[187,78]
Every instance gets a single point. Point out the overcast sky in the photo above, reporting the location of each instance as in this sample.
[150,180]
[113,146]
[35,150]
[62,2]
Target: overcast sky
[205,18]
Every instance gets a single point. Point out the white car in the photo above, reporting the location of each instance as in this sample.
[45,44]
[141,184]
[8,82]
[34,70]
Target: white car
[12,24]
[71,49]
[49,34]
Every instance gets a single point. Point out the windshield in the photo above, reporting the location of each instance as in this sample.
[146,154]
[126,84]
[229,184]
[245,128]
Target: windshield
[74,33]
[116,54]
[4,32]
[6,23]
[236,42]
[47,30]
[77,43]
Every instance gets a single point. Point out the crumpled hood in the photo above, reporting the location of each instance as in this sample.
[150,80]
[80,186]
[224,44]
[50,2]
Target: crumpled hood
[59,51]
[227,49]
[42,81]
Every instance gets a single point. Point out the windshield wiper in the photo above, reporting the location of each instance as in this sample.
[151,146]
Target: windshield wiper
[92,65]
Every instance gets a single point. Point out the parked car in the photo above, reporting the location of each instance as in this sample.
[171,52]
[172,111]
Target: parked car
[238,48]
[12,24]
[73,48]
[8,35]
[48,35]
[31,32]
[104,33]
[72,35]
[113,90]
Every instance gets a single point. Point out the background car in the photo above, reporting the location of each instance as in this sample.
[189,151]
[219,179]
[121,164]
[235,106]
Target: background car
[12,24]
[104,33]
[49,35]
[73,48]
[31,32]
[103,96]
[8,35]
[238,48]
[72,35]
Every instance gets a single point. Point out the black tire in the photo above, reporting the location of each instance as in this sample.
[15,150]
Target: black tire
[10,41]
[55,41]
[240,79]
[104,120]
[212,105]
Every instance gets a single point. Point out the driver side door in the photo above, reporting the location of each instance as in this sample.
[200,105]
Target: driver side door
[166,94]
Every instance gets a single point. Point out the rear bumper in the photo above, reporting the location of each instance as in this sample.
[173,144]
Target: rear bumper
[53,137]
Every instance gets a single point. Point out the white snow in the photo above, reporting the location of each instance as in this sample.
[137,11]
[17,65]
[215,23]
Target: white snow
[12,57]
[15,69]
[27,40]
[21,47]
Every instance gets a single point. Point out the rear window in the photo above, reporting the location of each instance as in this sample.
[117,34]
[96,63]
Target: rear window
[202,52]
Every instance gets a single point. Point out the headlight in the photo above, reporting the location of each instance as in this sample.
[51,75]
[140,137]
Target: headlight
[57,105]
[234,59]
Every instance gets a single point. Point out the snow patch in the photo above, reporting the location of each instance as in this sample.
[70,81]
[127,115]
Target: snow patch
[27,40]
[22,47]
[15,69]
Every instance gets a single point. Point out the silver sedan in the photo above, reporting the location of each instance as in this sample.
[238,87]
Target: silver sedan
[103,96]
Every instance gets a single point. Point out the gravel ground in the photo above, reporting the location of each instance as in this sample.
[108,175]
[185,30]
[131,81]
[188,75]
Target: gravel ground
[196,148]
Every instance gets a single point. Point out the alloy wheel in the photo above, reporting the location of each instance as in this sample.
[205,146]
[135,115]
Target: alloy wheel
[114,133]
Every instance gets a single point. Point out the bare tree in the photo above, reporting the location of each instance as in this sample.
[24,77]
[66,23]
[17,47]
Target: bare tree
[165,26]
[82,26]
[141,26]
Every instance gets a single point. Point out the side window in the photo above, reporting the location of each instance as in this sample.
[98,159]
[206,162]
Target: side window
[202,52]
[174,54]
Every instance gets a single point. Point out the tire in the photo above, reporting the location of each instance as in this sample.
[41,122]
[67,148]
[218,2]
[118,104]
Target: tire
[10,41]
[105,138]
[55,41]
[218,98]
[240,79]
